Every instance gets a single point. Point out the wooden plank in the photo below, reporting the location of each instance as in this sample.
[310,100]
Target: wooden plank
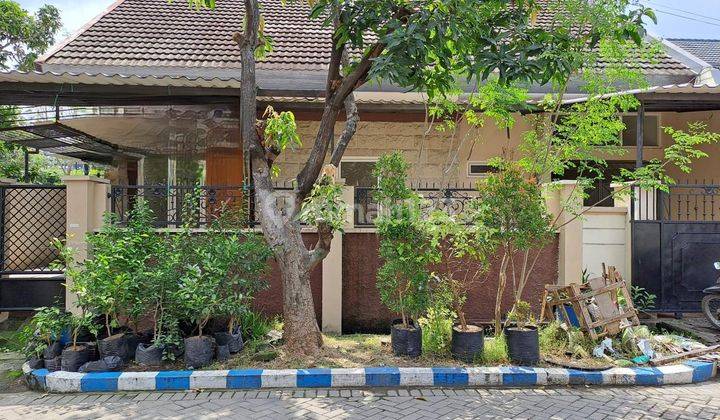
[692,353]
[607,309]
[615,319]
[583,313]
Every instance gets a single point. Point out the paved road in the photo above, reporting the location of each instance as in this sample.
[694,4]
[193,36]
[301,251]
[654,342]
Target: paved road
[685,402]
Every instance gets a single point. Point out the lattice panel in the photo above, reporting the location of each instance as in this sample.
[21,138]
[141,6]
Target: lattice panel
[32,217]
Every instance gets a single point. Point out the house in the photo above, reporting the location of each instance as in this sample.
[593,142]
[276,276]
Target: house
[703,52]
[151,88]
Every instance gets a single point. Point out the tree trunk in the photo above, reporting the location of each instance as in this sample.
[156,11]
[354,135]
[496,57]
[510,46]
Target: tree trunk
[301,332]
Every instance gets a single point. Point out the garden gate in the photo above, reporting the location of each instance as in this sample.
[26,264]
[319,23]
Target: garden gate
[675,241]
[30,217]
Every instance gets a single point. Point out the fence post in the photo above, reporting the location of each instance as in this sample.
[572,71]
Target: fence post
[87,200]
[332,272]
[564,201]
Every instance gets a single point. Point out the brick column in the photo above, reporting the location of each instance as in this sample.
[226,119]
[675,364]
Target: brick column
[565,200]
[87,201]
[332,273]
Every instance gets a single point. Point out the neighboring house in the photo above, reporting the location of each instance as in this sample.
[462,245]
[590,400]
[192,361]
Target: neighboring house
[702,55]
[161,85]
[707,50]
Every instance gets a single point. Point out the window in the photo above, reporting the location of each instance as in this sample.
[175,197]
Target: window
[358,173]
[651,133]
[480,169]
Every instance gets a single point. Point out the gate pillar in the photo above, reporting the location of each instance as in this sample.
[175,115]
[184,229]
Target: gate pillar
[88,198]
[564,201]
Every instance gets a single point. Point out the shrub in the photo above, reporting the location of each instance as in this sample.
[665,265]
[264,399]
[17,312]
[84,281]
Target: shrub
[121,270]
[44,328]
[255,326]
[513,204]
[553,339]
[406,248]
[495,351]
[464,245]
[437,323]
[220,271]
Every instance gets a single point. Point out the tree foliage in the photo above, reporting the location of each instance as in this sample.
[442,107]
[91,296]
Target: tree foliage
[439,47]
[24,36]
[406,247]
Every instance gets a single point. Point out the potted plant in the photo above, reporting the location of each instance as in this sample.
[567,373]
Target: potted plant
[77,354]
[243,256]
[49,323]
[511,201]
[97,284]
[522,336]
[464,245]
[42,338]
[406,250]
[199,297]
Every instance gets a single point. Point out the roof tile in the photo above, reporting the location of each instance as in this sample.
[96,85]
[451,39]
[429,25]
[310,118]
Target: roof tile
[170,34]
[707,50]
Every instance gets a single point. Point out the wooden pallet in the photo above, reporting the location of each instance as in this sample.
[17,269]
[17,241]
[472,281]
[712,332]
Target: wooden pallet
[609,318]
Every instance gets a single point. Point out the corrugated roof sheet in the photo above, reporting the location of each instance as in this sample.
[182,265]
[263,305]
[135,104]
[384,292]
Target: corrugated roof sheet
[707,50]
[671,89]
[158,33]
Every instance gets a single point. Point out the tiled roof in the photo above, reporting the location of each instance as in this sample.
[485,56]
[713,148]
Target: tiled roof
[707,50]
[158,33]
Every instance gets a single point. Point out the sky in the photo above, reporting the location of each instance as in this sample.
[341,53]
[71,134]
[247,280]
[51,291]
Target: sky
[676,18]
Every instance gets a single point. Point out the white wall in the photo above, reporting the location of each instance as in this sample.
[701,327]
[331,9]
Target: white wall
[605,240]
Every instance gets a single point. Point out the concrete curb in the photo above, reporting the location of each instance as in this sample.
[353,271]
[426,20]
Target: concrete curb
[372,377]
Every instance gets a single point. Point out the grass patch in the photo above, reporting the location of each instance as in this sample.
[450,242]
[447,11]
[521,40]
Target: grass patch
[495,351]
[10,341]
[348,351]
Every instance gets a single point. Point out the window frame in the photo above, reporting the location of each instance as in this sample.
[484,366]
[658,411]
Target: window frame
[354,159]
[657,115]
[470,174]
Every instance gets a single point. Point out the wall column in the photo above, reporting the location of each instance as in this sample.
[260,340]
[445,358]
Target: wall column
[87,201]
[332,272]
[622,198]
[564,201]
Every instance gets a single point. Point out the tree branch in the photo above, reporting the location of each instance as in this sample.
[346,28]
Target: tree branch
[351,121]
[247,42]
[322,247]
[308,175]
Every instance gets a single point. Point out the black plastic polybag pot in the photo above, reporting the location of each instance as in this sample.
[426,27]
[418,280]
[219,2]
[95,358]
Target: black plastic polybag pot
[523,345]
[53,364]
[74,357]
[234,341]
[36,363]
[115,345]
[467,344]
[92,348]
[52,351]
[132,341]
[199,351]
[107,364]
[222,353]
[149,355]
[406,341]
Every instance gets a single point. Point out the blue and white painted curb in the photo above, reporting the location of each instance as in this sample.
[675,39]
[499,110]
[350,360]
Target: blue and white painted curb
[371,377]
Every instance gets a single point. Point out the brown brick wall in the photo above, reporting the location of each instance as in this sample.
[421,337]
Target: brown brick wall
[363,311]
[270,302]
